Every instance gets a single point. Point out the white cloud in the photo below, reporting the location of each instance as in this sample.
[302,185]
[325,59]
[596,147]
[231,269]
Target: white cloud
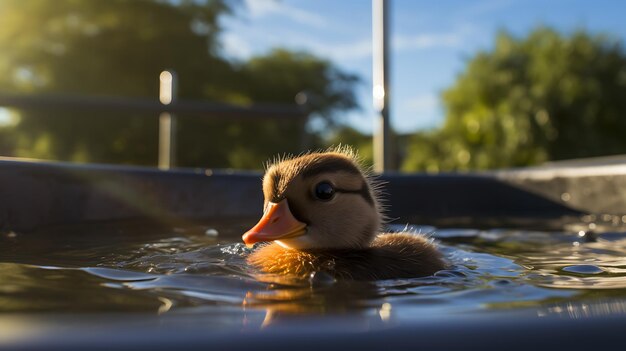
[459,37]
[242,43]
[362,48]
[427,41]
[262,8]
[235,46]
[423,104]
[419,112]
[240,46]
[342,51]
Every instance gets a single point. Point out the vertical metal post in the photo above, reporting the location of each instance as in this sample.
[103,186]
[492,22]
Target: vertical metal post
[167,121]
[380,43]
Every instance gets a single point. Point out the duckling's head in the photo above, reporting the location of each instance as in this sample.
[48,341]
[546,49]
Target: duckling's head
[319,200]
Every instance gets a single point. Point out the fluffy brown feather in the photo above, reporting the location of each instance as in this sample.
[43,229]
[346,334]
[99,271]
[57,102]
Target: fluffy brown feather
[390,256]
[341,233]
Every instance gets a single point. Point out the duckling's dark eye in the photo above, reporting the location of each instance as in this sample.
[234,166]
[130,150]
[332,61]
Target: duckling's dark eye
[324,191]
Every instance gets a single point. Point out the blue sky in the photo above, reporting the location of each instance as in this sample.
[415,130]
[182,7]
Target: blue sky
[431,40]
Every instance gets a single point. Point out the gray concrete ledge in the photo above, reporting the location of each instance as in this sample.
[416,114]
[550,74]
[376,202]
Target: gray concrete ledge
[39,194]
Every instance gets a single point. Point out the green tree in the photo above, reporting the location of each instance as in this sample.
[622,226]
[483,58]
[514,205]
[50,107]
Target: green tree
[346,135]
[547,96]
[114,47]
[118,48]
[277,77]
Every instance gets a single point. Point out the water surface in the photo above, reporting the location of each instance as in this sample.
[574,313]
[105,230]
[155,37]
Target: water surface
[200,270]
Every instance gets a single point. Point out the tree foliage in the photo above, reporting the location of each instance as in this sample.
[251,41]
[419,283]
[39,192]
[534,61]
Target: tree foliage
[278,76]
[346,135]
[546,96]
[118,48]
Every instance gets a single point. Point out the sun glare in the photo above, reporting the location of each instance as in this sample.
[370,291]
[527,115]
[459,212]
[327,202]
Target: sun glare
[5,117]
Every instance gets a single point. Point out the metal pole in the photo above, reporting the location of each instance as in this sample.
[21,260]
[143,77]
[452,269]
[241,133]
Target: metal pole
[382,132]
[167,121]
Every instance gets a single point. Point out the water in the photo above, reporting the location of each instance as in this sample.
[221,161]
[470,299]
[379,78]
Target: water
[139,269]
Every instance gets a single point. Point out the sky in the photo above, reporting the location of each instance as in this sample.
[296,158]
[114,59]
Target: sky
[430,41]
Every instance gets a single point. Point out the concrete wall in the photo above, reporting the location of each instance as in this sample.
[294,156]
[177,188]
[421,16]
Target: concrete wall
[38,194]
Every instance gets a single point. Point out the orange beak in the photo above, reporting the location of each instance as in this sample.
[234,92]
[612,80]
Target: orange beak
[277,223]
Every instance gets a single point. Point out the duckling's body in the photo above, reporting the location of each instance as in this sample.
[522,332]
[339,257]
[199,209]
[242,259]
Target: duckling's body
[397,255]
[323,213]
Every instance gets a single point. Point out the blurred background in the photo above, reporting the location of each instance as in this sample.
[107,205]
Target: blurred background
[481,84]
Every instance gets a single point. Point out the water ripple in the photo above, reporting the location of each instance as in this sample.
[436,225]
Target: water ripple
[576,274]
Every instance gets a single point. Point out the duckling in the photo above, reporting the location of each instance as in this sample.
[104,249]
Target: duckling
[322,213]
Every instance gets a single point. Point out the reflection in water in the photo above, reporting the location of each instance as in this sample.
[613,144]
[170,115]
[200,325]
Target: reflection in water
[26,288]
[202,271]
[285,300]
[578,310]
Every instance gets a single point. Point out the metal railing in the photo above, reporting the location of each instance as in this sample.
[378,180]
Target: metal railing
[168,104]
[166,107]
